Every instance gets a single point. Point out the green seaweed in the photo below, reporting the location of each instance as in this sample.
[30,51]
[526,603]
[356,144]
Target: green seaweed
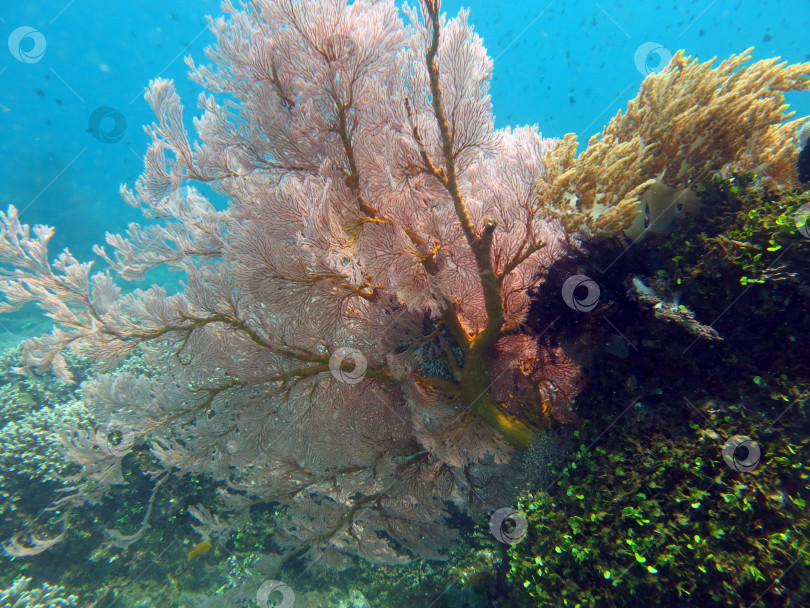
[661,518]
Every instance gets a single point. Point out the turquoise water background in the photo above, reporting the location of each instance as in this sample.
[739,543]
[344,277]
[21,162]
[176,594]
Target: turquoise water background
[566,66]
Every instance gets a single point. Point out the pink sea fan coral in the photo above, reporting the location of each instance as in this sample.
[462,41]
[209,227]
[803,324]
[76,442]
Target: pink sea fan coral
[348,338]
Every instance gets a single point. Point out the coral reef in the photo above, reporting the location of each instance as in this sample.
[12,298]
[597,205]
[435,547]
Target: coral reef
[651,480]
[371,340]
[32,463]
[658,515]
[687,121]
[20,595]
[380,237]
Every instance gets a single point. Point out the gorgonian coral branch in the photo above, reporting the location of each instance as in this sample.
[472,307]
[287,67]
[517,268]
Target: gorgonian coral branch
[374,220]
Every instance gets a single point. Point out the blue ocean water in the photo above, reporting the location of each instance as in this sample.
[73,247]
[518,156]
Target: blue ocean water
[566,66]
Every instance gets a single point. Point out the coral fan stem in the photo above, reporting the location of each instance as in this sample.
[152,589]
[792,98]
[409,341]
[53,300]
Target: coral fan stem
[475,376]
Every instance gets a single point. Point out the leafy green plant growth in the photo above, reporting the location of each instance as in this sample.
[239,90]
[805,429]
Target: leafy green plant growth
[646,516]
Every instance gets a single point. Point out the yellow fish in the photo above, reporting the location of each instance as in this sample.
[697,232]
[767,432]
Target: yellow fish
[200,549]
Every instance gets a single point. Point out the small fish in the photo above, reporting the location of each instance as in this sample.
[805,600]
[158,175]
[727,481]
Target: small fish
[200,549]
[5,109]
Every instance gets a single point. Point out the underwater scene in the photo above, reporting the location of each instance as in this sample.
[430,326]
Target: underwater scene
[387,304]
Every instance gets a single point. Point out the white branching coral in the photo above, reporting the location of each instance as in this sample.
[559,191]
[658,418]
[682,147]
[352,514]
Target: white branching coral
[21,595]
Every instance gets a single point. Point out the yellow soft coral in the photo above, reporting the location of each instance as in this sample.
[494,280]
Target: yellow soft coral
[687,121]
